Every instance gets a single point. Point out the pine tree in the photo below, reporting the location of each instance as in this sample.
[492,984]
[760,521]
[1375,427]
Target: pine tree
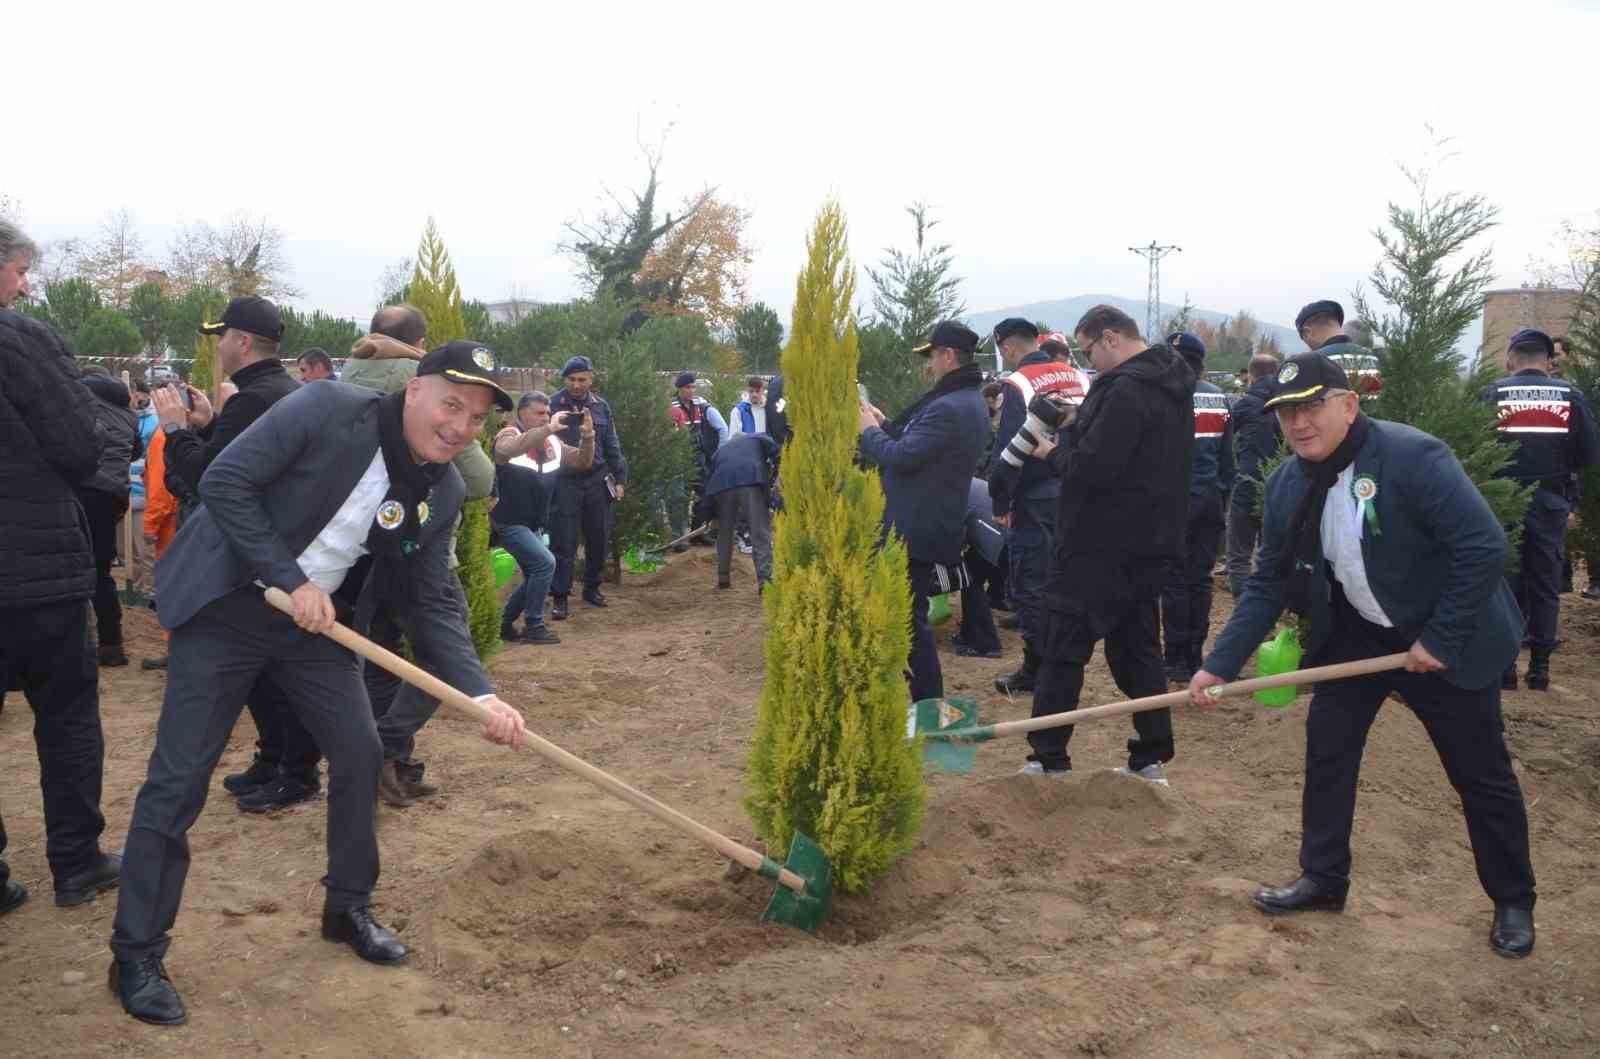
[436,295]
[203,372]
[1433,296]
[434,290]
[830,756]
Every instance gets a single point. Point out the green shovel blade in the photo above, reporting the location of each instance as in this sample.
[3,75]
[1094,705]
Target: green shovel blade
[945,725]
[804,910]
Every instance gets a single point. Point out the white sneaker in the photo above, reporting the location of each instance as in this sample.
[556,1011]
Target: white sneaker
[1150,774]
[745,549]
[1033,768]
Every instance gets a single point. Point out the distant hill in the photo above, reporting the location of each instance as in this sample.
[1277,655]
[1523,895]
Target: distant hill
[1064,312]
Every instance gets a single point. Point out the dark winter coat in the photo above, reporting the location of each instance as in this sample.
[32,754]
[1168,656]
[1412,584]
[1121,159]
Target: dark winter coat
[1549,422]
[607,445]
[1256,436]
[189,452]
[927,472]
[1124,463]
[747,459]
[1435,560]
[120,443]
[49,446]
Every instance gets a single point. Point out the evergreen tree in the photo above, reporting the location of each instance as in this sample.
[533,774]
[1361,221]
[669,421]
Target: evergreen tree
[148,310]
[888,369]
[830,756]
[655,450]
[916,290]
[108,333]
[476,569]
[68,304]
[1432,295]
[433,289]
[758,334]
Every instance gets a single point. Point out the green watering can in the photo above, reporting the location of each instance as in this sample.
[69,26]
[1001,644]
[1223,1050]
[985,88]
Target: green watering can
[1281,654]
[938,609]
[505,564]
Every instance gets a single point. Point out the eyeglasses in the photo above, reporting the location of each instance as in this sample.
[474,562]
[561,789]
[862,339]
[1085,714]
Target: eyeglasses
[1309,408]
[1088,350]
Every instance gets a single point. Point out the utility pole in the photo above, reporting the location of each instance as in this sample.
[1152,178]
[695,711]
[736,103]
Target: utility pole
[1152,298]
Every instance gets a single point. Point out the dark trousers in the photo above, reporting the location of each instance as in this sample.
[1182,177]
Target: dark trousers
[408,709]
[999,580]
[927,678]
[1244,526]
[104,512]
[977,629]
[214,661]
[1467,731]
[1186,598]
[747,505]
[281,739]
[1112,600]
[1032,542]
[581,505]
[1537,582]
[45,650]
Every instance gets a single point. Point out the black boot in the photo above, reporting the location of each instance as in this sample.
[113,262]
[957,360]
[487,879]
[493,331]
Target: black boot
[1023,679]
[102,874]
[260,773]
[1508,679]
[1538,670]
[146,992]
[558,609]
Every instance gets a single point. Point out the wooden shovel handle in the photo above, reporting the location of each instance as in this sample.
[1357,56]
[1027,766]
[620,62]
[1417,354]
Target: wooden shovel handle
[431,684]
[1339,671]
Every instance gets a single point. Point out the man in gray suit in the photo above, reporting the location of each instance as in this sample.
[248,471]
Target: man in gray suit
[335,485]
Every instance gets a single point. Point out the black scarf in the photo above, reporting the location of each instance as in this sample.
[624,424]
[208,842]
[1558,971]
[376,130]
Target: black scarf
[966,377]
[397,526]
[1298,565]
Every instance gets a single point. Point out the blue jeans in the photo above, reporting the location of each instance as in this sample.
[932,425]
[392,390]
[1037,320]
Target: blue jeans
[538,565]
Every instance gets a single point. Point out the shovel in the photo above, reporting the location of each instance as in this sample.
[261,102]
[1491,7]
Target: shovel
[949,727]
[805,881]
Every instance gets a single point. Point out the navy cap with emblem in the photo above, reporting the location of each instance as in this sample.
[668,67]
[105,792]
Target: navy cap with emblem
[253,315]
[467,362]
[1325,307]
[685,378]
[952,334]
[575,365]
[1014,325]
[1531,338]
[1186,343]
[1306,377]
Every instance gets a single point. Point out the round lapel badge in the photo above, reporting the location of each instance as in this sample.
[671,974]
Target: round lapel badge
[391,514]
[1364,488]
[422,513]
[1288,373]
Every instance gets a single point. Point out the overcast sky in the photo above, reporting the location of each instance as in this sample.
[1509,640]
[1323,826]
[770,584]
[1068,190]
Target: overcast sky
[1262,138]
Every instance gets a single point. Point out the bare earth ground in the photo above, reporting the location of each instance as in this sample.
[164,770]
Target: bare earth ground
[1095,916]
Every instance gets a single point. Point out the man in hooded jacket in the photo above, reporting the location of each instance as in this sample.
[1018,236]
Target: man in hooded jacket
[105,500]
[1124,466]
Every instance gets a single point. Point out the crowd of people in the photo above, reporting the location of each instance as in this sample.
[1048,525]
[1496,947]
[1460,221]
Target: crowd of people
[1087,500]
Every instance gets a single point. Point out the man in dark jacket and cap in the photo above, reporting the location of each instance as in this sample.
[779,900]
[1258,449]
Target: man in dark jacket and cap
[1375,536]
[47,575]
[583,498]
[105,500]
[1124,467]
[926,456]
[1186,600]
[1256,440]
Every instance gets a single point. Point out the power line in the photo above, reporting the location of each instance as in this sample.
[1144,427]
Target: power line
[1152,298]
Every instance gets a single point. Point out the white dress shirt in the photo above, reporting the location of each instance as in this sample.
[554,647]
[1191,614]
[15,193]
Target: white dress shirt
[343,540]
[1341,545]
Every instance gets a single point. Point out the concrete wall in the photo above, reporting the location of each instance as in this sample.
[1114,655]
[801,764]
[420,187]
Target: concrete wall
[1506,311]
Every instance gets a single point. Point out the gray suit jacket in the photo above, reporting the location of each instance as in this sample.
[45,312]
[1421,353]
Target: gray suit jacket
[274,488]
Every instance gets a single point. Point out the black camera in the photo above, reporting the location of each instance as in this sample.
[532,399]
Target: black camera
[1046,415]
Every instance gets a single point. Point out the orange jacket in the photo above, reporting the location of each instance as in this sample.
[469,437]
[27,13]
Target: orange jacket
[160,506]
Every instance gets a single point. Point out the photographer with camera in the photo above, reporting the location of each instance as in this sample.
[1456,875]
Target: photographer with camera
[1123,465]
[926,455]
[1042,384]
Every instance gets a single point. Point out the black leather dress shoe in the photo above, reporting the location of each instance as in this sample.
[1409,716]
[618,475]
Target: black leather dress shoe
[594,597]
[285,790]
[146,992]
[12,896]
[1511,935]
[357,929]
[1303,895]
[100,876]
[260,774]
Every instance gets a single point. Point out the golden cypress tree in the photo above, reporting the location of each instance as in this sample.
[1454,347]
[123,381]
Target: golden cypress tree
[434,290]
[203,372]
[830,757]
[437,296]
